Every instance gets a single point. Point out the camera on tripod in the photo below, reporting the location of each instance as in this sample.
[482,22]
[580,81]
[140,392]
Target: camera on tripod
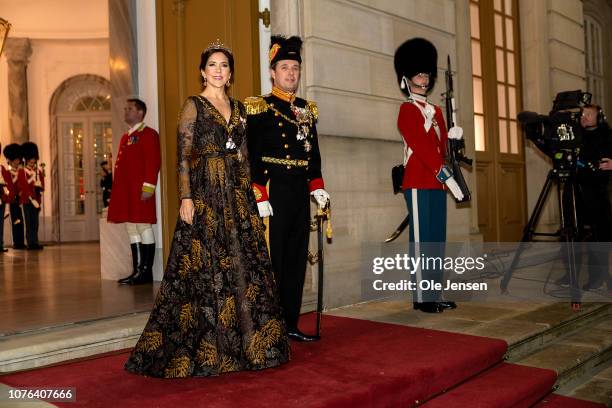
[558,135]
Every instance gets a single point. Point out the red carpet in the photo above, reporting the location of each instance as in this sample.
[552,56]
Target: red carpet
[357,364]
[503,386]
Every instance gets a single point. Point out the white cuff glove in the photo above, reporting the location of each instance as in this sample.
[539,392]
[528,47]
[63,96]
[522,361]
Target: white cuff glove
[321,196]
[454,188]
[265,209]
[455,132]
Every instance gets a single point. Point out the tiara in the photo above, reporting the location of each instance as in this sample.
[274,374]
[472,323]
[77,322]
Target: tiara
[217,45]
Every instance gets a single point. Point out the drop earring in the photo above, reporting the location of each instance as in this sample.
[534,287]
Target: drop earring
[204,81]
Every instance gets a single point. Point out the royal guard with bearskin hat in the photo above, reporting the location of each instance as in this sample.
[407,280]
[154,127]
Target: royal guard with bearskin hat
[284,151]
[426,176]
[6,197]
[133,198]
[14,158]
[31,181]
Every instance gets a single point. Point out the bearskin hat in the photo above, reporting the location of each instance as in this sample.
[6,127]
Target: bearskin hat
[12,151]
[282,48]
[415,56]
[29,150]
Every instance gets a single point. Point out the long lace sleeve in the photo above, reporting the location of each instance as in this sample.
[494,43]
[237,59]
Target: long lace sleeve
[185,129]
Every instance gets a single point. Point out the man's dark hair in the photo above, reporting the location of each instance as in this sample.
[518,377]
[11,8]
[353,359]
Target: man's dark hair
[140,105]
[103,163]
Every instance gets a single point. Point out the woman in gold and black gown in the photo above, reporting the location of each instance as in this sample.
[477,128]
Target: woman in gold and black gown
[217,309]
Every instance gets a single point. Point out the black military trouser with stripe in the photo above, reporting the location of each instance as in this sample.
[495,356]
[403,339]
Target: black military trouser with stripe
[17,224]
[289,233]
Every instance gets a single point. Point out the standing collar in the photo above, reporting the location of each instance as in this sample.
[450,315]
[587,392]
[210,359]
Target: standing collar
[136,128]
[283,95]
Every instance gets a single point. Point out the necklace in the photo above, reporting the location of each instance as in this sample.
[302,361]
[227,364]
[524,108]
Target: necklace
[235,119]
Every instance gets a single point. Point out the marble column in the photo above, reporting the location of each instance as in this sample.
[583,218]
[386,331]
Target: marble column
[123,59]
[115,252]
[18,52]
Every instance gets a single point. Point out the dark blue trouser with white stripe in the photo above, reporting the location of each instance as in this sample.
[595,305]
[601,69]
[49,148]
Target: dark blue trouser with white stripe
[427,217]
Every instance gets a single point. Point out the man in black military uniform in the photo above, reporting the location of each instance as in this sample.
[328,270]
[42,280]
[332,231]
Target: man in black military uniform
[284,150]
[593,180]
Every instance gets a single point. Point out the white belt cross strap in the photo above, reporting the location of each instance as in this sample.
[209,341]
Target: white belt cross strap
[428,113]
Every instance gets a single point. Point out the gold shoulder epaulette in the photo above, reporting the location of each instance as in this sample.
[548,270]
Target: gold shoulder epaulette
[312,106]
[255,105]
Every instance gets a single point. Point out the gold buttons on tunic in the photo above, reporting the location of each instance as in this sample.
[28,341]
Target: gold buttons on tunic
[265,171]
[288,156]
[288,167]
[280,124]
[275,113]
[283,135]
[286,146]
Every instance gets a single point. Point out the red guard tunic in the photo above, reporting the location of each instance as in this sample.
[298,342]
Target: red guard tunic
[27,181]
[426,152]
[8,187]
[137,165]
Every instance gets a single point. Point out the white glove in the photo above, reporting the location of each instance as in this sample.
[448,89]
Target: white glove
[454,188]
[265,209]
[456,132]
[321,196]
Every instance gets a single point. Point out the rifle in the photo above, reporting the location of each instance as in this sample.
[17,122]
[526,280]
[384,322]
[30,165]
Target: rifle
[455,148]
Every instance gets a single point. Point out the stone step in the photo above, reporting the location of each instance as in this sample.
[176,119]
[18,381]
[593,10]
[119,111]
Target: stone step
[50,346]
[597,389]
[558,321]
[576,355]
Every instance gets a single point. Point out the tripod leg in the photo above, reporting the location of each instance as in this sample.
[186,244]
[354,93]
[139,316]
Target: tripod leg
[528,230]
[569,235]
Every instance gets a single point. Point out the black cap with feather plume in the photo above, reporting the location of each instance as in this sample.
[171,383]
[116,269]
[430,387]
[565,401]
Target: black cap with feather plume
[282,48]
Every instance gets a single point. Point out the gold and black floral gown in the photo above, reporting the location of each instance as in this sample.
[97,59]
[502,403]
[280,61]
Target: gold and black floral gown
[217,309]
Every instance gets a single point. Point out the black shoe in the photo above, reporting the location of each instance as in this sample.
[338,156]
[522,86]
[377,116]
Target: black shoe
[593,285]
[135,263]
[448,305]
[3,249]
[19,246]
[35,247]
[145,270]
[297,335]
[428,307]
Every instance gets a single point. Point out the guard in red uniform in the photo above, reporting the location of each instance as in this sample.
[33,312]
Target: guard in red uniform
[31,181]
[14,158]
[6,197]
[426,177]
[133,198]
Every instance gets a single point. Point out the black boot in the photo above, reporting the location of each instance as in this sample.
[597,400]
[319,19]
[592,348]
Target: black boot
[145,271]
[136,256]
[428,307]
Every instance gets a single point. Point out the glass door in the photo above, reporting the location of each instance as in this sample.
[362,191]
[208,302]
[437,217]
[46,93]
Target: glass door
[85,143]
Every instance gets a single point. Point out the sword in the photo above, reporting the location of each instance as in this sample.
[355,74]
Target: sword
[398,231]
[322,215]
